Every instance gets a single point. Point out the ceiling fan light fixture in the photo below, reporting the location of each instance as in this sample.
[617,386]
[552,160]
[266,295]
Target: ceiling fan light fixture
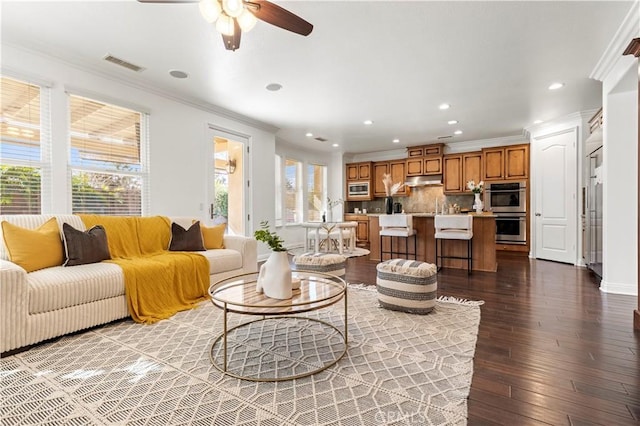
[210,10]
[246,20]
[225,25]
[232,8]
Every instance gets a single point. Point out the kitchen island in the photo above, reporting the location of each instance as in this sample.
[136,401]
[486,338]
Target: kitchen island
[484,242]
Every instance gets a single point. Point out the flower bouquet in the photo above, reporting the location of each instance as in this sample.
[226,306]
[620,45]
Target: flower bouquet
[477,190]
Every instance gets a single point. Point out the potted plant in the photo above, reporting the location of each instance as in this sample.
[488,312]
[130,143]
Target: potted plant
[275,274]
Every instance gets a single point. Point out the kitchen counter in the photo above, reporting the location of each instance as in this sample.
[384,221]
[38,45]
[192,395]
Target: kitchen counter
[418,214]
[484,242]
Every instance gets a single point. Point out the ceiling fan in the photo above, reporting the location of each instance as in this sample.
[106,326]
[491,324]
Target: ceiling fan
[233,17]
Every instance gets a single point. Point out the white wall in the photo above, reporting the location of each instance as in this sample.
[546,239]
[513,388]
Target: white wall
[178,141]
[620,188]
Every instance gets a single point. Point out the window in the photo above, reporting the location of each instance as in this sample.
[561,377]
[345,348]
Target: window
[24,146]
[107,158]
[316,191]
[279,221]
[293,191]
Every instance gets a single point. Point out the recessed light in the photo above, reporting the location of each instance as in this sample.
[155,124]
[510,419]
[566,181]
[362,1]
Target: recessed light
[274,87]
[556,86]
[368,122]
[457,132]
[396,141]
[309,135]
[444,106]
[178,74]
[452,122]
[537,122]
[335,145]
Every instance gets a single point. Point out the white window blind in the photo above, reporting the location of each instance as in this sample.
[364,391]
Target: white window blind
[24,146]
[108,162]
[316,191]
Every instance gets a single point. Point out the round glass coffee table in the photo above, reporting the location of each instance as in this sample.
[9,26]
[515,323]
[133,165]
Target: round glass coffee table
[281,345]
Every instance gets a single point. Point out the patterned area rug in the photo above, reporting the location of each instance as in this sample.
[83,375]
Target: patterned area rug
[399,369]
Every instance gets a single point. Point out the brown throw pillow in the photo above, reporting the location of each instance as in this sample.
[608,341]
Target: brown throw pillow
[186,240]
[85,247]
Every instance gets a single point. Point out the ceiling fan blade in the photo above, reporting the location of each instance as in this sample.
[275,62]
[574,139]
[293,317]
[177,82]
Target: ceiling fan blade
[275,15]
[233,42]
[168,1]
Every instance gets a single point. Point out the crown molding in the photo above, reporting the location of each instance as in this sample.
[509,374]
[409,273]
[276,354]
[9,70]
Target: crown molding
[189,101]
[478,144]
[570,120]
[628,30]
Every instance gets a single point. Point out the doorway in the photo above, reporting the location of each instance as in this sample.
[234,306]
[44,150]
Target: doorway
[227,188]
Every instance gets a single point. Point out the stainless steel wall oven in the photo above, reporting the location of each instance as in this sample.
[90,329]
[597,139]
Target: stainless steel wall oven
[511,228]
[506,197]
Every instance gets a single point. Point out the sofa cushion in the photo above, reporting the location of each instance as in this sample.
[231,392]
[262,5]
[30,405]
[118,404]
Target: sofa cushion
[34,249]
[222,260]
[60,287]
[186,239]
[85,247]
[213,236]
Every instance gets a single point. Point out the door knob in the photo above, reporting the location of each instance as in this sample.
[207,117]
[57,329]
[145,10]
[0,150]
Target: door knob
[538,214]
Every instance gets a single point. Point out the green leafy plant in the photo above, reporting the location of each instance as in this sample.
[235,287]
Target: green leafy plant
[268,237]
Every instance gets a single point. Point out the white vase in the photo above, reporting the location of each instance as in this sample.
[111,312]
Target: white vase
[478,205]
[275,277]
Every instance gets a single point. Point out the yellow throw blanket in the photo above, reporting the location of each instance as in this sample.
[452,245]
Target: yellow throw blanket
[158,283]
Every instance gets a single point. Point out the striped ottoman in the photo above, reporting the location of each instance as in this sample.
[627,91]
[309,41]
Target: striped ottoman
[327,263]
[407,285]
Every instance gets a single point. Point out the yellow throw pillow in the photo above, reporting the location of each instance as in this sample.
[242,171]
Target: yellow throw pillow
[34,249]
[213,237]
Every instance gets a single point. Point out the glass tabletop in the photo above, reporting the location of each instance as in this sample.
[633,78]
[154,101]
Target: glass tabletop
[317,290]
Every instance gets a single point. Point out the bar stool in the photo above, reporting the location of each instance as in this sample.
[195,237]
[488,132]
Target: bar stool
[454,227]
[397,225]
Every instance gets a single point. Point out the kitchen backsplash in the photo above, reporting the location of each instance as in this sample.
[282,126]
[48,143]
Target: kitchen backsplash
[421,200]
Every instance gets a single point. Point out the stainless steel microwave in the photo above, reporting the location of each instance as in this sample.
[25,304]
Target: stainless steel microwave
[359,190]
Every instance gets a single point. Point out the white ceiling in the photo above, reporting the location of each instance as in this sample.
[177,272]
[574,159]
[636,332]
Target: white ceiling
[392,62]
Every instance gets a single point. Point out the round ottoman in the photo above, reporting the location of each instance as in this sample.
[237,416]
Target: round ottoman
[328,263]
[407,285]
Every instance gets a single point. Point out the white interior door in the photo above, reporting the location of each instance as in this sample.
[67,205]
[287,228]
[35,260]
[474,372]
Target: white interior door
[228,188]
[555,195]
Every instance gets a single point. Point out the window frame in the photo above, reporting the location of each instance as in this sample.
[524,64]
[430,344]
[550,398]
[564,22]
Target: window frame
[142,173]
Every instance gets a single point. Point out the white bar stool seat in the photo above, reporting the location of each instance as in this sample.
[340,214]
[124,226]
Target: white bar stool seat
[454,227]
[397,225]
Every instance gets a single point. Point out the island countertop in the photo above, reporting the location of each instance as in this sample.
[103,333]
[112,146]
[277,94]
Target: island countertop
[427,214]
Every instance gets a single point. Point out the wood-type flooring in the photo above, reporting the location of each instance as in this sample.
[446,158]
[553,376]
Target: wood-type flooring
[552,348]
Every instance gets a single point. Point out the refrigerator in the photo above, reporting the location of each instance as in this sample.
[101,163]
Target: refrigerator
[593,226]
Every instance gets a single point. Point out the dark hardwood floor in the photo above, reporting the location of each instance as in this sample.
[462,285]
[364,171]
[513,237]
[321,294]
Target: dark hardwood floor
[552,349]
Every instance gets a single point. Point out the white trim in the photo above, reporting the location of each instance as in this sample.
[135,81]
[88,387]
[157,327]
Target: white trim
[477,145]
[630,289]
[196,103]
[97,96]
[26,77]
[629,29]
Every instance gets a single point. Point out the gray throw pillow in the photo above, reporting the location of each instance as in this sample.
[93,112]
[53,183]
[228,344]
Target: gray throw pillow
[85,247]
[186,240]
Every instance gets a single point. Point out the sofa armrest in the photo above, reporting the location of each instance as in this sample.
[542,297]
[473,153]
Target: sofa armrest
[248,248]
[14,299]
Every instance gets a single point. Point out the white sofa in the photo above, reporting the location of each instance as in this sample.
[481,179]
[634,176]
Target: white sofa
[51,302]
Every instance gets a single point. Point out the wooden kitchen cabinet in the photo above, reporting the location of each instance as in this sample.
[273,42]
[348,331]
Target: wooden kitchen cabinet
[359,171]
[460,169]
[471,169]
[423,166]
[452,175]
[379,169]
[362,230]
[506,163]
[398,174]
[516,162]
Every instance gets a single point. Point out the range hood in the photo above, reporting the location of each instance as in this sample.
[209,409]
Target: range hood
[428,180]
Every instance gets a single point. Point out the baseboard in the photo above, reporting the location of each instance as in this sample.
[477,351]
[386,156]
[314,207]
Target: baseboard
[618,288]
